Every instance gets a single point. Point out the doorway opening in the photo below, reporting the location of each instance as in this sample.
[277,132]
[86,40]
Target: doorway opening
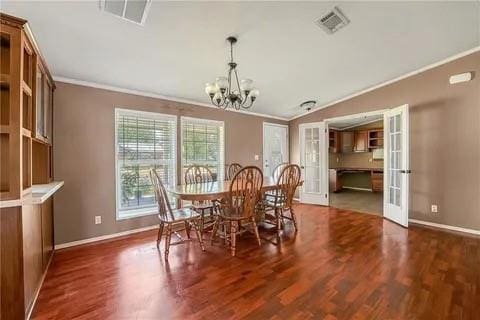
[356,163]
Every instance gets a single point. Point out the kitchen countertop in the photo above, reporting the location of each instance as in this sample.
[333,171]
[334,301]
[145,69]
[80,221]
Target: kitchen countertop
[38,194]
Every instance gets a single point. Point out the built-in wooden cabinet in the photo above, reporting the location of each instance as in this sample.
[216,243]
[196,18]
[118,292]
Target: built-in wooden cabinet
[334,143]
[26,149]
[375,139]
[360,141]
[377,181]
[347,140]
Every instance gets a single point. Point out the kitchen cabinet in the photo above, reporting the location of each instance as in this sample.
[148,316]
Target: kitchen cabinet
[346,139]
[335,184]
[334,141]
[360,141]
[377,181]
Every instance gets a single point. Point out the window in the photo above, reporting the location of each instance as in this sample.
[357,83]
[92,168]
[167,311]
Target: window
[203,144]
[144,140]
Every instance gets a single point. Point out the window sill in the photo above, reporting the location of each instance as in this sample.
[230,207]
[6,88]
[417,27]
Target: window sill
[137,213]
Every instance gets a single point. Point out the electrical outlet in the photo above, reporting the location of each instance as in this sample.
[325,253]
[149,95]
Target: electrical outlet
[257,157]
[434,208]
[98,219]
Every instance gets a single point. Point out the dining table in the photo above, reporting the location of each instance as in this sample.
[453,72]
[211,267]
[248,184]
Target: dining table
[212,190]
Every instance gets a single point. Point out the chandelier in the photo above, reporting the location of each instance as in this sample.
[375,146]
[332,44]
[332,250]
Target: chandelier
[228,91]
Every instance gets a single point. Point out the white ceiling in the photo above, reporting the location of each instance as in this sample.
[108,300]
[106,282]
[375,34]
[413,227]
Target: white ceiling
[181,46]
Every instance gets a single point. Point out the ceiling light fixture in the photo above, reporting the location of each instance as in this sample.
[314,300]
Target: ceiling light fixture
[308,105]
[228,91]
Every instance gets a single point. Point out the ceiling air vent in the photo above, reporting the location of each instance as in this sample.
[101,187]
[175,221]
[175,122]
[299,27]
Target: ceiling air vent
[332,21]
[131,10]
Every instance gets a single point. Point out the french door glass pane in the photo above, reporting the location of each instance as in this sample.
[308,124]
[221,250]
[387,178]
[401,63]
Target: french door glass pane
[395,163]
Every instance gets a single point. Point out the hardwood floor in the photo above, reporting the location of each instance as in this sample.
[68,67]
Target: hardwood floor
[340,265]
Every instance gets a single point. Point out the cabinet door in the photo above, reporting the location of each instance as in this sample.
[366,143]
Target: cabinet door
[47,231]
[48,102]
[39,104]
[32,251]
[360,141]
[347,141]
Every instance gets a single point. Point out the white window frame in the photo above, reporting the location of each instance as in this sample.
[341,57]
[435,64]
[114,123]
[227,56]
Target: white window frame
[150,210]
[221,172]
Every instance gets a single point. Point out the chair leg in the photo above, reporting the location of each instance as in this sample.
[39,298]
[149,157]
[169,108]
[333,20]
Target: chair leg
[160,232]
[255,228]
[202,221]
[215,229]
[278,217]
[233,236]
[168,237]
[199,234]
[294,219]
[188,227]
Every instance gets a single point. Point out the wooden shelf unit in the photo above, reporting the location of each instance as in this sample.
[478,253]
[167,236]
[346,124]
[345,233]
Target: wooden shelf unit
[375,139]
[26,98]
[26,148]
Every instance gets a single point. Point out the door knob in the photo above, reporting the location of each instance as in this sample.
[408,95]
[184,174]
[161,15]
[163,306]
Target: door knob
[406,171]
[302,167]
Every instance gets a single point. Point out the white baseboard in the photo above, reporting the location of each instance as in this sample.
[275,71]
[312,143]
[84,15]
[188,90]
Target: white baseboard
[355,188]
[445,226]
[105,237]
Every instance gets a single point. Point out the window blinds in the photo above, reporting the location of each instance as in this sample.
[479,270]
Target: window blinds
[144,140]
[203,144]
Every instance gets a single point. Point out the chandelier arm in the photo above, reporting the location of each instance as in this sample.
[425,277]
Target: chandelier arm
[249,105]
[238,84]
[229,82]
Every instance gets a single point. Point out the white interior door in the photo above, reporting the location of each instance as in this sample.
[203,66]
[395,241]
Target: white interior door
[275,146]
[313,161]
[396,176]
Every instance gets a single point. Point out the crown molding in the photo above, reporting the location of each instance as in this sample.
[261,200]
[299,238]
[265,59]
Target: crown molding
[386,83]
[157,96]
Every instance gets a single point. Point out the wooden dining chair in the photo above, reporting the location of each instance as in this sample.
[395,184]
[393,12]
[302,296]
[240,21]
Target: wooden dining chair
[281,199]
[183,217]
[239,207]
[278,170]
[200,174]
[232,170]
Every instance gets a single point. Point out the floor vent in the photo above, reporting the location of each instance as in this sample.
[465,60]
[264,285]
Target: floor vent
[131,10]
[332,21]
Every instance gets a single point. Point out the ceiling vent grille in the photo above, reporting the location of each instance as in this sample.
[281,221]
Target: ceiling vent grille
[131,10]
[332,21]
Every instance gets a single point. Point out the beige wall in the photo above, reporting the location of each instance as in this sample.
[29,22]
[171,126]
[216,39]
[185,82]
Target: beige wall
[84,154]
[444,139]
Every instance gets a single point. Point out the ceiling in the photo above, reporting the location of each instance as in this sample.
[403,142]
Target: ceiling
[343,124]
[182,45]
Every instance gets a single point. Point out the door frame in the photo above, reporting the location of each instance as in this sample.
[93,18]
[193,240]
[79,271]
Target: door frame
[266,123]
[324,182]
[384,113]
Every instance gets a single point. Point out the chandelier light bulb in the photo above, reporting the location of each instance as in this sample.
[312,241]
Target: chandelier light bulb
[210,89]
[254,94]
[222,83]
[246,85]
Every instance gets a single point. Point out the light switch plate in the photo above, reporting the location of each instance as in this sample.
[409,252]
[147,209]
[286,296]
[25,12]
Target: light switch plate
[256,157]
[98,219]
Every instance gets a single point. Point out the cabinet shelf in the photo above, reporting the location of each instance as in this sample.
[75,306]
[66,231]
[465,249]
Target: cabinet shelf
[26,133]
[4,129]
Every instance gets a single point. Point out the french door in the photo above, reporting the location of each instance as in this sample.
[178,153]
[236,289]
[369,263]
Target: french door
[313,161]
[396,176]
[275,146]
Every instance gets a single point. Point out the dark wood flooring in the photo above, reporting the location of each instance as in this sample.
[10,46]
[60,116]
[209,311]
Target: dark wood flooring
[340,265]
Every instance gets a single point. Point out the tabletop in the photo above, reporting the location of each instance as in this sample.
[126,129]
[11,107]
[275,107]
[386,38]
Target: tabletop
[211,190]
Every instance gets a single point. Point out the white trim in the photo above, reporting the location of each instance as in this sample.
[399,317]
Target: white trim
[263,140]
[355,188]
[219,123]
[445,226]
[105,237]
[383,84]
[148,210]
[158,96]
